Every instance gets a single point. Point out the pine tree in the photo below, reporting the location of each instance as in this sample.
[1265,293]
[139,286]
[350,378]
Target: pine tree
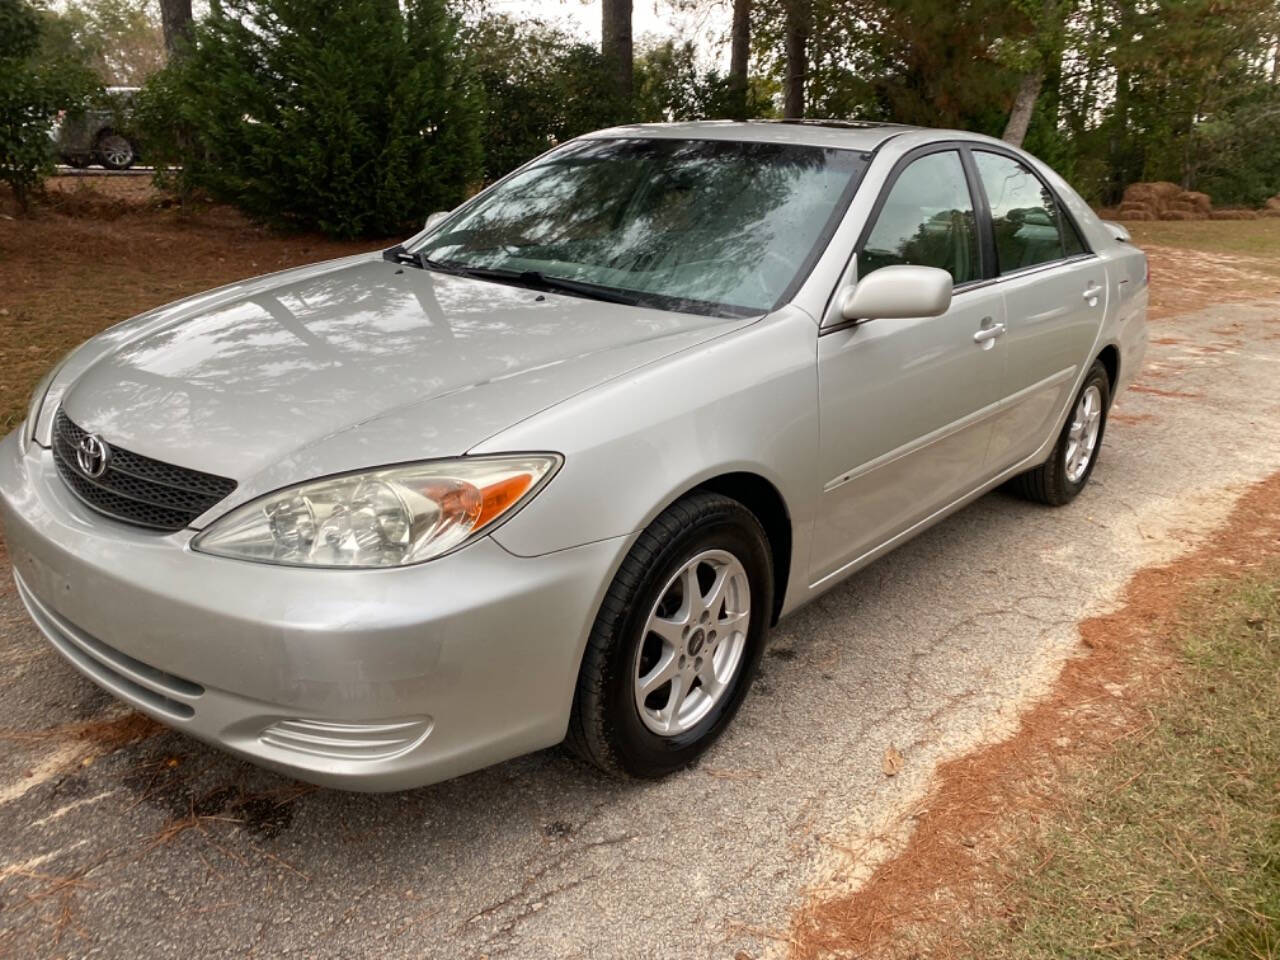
[354,117]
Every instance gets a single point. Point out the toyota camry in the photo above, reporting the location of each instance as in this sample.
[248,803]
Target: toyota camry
[551,468]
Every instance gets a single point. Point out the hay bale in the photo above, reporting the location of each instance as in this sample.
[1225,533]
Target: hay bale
[1195,201]
[1136,206]
[1165,190]
[1234,215]
[1135,215]
[1139,193]
[1180,215]
[1158,189]
[1155,196]
[1274,202]
[1193,211]
[1270,212]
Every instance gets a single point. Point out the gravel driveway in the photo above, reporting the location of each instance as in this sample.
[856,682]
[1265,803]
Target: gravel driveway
[164,847]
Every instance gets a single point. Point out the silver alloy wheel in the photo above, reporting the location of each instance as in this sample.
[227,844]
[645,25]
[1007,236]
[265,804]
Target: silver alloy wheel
[1082,436]
[693,643]
[116,150]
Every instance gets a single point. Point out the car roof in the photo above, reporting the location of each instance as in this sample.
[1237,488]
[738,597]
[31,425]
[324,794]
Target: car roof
[847,134]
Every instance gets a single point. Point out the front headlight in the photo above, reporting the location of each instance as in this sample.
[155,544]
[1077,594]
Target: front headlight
[380,518]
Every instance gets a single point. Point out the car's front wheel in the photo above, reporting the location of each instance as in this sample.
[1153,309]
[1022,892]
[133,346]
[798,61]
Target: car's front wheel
[677,639]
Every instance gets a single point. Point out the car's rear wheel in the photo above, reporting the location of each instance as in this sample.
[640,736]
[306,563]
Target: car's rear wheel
[677,639]
[115,152]
[1059,479]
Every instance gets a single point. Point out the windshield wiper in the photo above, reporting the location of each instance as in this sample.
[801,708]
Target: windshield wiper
[536,280]
[398,254]
[533,279]
[578,288]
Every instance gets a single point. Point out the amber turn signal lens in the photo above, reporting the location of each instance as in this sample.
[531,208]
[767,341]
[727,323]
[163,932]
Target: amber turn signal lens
[500,496]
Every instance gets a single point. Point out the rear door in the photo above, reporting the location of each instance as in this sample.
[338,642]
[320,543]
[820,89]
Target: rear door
[905,405]
[1055,294]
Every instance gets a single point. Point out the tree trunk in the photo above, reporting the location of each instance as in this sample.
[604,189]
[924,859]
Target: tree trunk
[175,18]
[739,54]
[615,44]
[1024,104]
[797,52]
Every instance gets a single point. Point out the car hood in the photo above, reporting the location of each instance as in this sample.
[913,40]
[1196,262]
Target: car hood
[352,364]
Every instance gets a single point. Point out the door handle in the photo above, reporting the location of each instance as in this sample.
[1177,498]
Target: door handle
[989,333]
[1091,293]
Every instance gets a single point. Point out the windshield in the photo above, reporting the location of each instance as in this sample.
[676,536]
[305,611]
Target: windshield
[705,226]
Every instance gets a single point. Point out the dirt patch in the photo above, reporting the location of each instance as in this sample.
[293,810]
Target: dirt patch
[1120,416]
[1167,394]
[944,876]
[1184,281]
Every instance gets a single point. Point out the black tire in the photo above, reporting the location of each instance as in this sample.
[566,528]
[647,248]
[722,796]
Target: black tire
[115,151]
[1049,483]
[605,727]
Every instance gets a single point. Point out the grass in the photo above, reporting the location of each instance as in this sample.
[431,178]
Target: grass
[1170,845]
[1254,238]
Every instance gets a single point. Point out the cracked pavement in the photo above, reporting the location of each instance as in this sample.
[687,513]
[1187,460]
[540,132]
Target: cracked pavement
[121,839]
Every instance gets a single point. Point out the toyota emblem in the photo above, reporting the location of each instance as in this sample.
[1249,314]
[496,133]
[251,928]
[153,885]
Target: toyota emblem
[92,456]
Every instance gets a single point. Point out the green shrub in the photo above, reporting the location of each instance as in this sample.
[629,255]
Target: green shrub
[355,117]
[33,90]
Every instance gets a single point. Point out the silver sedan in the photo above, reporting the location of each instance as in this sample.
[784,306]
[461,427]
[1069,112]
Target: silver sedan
[551,468]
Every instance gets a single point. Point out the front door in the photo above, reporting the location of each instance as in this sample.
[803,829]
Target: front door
[905,405]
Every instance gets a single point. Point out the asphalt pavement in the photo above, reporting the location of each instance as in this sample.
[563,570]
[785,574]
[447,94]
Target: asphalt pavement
[167,848]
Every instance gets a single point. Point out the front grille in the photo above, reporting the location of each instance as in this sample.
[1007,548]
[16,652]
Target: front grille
[134,488]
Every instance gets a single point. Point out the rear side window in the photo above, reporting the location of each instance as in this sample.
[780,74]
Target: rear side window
[1023,212]
[927,219]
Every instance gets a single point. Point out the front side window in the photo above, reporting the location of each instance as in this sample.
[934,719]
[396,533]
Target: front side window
[707,226]
[927,219]
[1023,213]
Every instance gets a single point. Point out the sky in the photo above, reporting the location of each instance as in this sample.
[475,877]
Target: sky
[708,26]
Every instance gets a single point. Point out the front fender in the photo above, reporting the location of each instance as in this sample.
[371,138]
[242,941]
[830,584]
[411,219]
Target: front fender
[746,402]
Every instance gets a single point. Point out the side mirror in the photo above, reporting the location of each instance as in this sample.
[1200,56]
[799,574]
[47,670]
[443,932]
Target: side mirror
[897,292]
[436,218]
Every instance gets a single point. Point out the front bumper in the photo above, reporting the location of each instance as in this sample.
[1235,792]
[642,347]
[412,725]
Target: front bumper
[359,679]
